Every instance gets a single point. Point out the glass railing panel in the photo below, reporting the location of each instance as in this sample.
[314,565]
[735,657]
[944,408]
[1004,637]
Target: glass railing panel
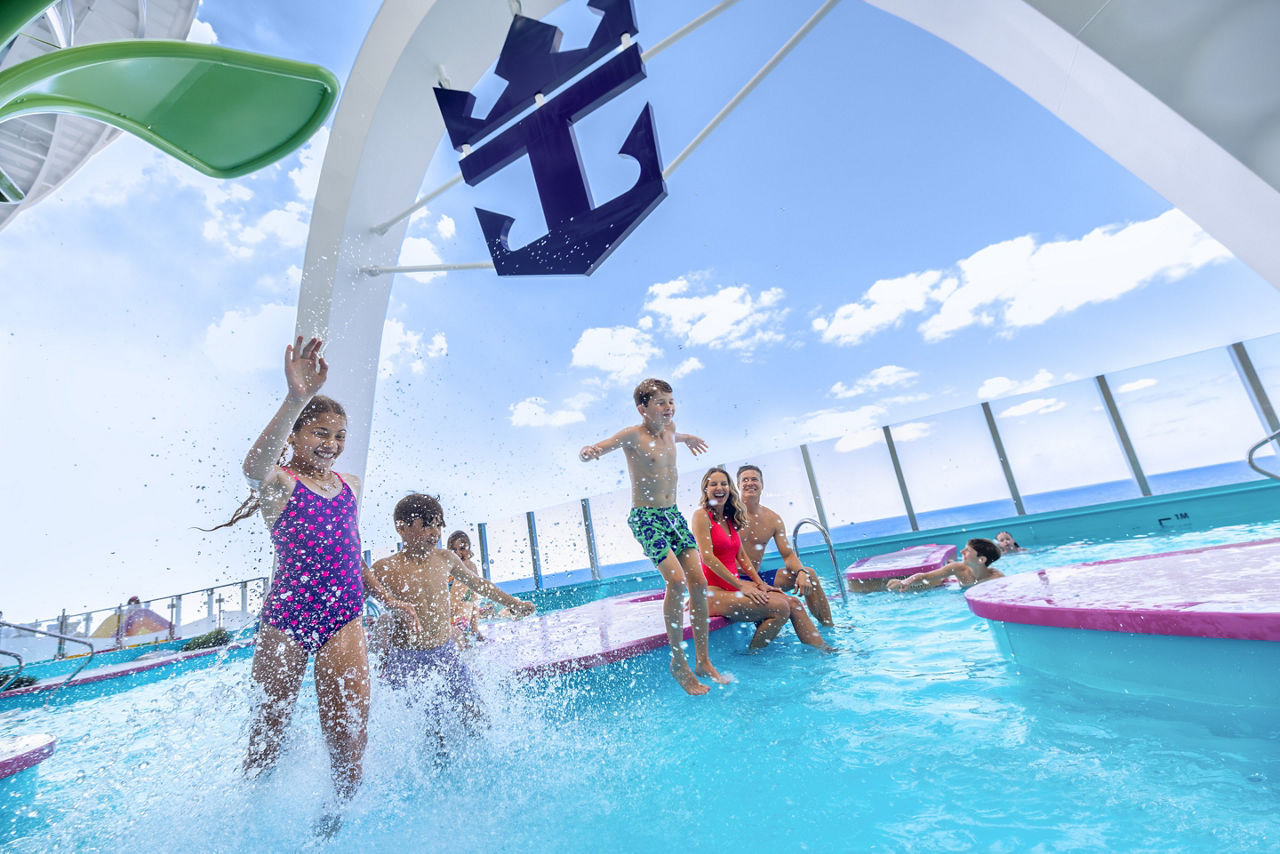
[858,486]
[951,469]
[786,488]
[562,542]
[510,563]
[1265,354]
[1062,448]
[1190,420]
[618,551]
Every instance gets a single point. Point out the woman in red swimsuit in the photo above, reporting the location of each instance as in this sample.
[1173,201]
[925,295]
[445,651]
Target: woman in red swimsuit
[715,526]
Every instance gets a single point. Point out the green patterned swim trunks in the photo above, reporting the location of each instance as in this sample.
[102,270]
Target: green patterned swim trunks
[660,530]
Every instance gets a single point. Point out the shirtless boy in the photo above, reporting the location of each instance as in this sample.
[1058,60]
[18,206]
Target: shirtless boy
[663,533]
[973,568]
[419,574]
[764,525]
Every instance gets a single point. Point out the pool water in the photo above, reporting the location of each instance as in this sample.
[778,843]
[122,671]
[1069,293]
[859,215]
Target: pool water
[917,736]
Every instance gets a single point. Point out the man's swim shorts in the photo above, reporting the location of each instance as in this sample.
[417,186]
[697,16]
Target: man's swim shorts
[660,530]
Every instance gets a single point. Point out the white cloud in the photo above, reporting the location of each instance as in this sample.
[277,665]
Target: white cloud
[289,225]
[883,306]
[688,366]
[532,412]
[418,252]
[246,342]
[1034,406]
[1003,386]
[1026,285]
[1136,385]
[645,323]
[852,426]
[900,399]
[446,227]
[621,351]
[402,347]
[731,317]
[885,376]
[306,177]
[1019,283]
[202,33]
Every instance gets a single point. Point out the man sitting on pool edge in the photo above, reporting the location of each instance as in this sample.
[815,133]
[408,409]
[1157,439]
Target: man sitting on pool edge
[764,525]
[973,568]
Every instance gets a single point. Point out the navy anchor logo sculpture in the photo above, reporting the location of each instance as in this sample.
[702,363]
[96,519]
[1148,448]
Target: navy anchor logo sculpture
[580,235]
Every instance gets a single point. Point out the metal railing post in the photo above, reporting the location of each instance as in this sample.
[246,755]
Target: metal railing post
[590,530]
[1004,460]
[1122,435]
[209,602]
[173,616]
[244,597]
[1253,386]
[813,487]
[902,481]
[119,627]
[533,550]
[482,533]
[62,642]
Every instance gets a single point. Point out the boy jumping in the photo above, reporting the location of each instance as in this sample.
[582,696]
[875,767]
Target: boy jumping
[663,533]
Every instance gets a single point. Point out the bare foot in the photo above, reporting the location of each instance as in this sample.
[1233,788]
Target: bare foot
[707,671]
[687,680]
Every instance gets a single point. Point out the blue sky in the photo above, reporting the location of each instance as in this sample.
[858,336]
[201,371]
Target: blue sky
[884,231]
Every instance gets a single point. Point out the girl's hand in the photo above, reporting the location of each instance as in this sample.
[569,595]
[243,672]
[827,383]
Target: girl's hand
[304,368]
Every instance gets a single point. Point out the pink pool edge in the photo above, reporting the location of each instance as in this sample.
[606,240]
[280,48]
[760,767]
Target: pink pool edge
[1226,591]
[871,574]
[18,753]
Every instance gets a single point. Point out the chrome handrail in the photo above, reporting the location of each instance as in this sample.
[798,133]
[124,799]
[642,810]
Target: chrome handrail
[73,674]
[1259,469]
[16,673]
[831,550]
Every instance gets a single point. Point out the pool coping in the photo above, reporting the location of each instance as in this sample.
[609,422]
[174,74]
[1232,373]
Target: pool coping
[984,601]
[27,752]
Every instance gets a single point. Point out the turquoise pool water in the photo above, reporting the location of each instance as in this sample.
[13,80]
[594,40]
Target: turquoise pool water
[918,736]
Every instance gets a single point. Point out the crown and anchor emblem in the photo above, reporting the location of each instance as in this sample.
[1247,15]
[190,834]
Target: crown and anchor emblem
[580,235]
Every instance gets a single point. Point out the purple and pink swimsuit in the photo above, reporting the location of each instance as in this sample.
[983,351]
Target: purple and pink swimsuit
[318,585]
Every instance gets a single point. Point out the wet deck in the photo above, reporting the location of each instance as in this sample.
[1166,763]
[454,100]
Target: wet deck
[589,635]
[1228,591]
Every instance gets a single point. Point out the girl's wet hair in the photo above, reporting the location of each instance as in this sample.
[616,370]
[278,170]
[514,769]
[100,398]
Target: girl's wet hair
[316,406]
[733,509]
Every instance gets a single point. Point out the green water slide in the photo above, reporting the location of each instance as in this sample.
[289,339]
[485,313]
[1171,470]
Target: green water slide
[224,112]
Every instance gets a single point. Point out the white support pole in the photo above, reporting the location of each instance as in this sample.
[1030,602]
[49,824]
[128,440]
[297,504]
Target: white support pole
[751,85]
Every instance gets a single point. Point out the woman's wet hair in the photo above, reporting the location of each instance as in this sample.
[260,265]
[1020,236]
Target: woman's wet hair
[316,406]
[733,509]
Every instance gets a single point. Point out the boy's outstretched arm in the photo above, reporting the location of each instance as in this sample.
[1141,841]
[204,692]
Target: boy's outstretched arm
[698,446]
[599,449]
[923,580]
[488,589]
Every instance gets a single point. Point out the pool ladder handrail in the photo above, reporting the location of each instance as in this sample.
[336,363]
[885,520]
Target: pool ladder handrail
[831,550]
[1257,447]
[72,675]
[16,673]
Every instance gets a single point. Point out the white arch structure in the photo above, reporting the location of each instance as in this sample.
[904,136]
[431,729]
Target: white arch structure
[1180,92]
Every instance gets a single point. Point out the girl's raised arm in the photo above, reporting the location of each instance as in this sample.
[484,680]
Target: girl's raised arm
[305,371]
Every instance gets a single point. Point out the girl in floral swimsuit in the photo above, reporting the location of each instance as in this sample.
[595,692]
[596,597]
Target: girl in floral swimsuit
[316,599]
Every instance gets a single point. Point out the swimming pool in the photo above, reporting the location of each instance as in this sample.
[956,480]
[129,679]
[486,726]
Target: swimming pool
[917,736]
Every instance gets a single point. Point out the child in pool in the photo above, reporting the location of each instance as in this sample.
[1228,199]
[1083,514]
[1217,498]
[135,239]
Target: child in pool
[663,533]
[466,613]
[419,574]
[1008,545]
[973,568]
[316,601]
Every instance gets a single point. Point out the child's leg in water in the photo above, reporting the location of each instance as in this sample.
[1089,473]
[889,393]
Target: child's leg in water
[278,667]
[699,615]
[342,690]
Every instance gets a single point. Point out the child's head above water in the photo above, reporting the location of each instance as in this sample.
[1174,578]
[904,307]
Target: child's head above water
[985,549]
[648,389]
[418,506]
